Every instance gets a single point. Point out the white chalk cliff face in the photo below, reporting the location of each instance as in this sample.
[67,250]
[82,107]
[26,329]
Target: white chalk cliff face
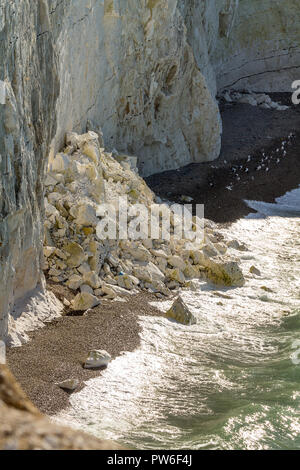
[145,71]
[127,65]
[29,84]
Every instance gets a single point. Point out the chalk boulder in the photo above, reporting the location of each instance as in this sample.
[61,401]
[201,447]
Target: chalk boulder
[84,301]
[97,359]
[181,313]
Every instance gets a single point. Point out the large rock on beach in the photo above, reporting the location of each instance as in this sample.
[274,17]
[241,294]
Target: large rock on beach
[97,359]
[181,313]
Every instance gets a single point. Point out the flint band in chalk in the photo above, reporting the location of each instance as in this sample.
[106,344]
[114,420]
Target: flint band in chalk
[2,92]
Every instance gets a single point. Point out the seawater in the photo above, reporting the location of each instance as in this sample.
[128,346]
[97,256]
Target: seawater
[229,382]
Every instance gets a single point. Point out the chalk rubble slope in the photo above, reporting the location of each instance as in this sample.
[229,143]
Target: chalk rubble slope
[81,178]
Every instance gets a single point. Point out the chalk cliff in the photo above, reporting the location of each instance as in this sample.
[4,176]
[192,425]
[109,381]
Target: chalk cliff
[30,86]
[147,71]
[144,71]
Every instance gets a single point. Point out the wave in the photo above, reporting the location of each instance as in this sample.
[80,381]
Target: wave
[228,382]
[285,206]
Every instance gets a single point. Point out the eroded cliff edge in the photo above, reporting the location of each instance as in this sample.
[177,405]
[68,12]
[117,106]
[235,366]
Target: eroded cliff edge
[145,71]
[30,86]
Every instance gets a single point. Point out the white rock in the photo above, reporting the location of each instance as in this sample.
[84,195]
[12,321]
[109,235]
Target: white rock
[177,262]
[186,199]
[97,359]
[76,255]
[86,288]
[66,302]
[248,99]
[148,243]
[204,48]
[224,271]
[127,281]
[73,139]
[159,254]
[60,254]
[69,384]
[254,270]
[162,264]
[92,151]
[175,275]
[84,301]
[221,248]
[235,244]
[59,178]
[50,181]
[86,216]
[158,286]
[172,285]
[181,313]
[209,250]
[111,281]
[131,161]
[196,256]
[106,268]
[148,273]
[193,286]
[98,292]
[262,98]
[109,292]
[140,253]
[92,279]
[61,164]
[84,268]
[113,261]
[50,210]
[54,272]
[191,272]
[53,198]
[49,251]
[114,291]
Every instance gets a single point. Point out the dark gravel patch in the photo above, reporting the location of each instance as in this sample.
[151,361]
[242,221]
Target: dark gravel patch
[57,352]
[247,130]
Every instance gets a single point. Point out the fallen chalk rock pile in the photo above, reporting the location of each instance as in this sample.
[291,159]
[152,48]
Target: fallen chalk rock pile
[84,176]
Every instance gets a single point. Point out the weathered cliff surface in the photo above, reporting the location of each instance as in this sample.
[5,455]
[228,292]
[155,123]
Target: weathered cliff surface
[127,66]
[28,69]
[245,44]
[145,71]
